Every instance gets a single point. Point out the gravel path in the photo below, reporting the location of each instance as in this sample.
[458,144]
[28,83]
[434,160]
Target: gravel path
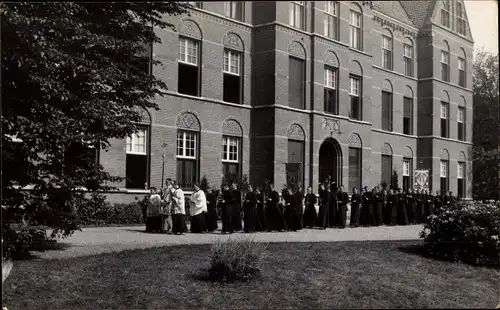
[92,241]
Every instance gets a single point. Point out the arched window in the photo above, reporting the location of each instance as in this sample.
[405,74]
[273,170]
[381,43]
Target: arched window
[356,90]
[330,97]
[138,154]
[408,57]
[297,75]
[462,68]
[461,175]
[408,111]
[444,171]
[387,105]
[189,60]
[445,62]
[356,27]
[232,142]
[387,54]
[232,68]
[188,146]
[445,115]
[461,118]
[386,164]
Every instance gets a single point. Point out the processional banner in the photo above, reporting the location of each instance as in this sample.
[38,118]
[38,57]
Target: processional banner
[293,175]
[421,178]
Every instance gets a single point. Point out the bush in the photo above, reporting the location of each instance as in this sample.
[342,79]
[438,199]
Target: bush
[96,211]
[130,213]
[235,260]
[467,232]
[18,244]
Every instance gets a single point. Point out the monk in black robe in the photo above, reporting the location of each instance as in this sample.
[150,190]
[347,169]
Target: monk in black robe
[410,206]
[236,205]
[227,211]
[429,205]
[392,208]
[355,208]
[367,209]
[343,200]
[275,220]
[420,207]
[332,208]
[310,216]
[299,203]
[402,216]
[324,207]
[379,202]
[291,214]
[211,214]
[261,210]
[250,211]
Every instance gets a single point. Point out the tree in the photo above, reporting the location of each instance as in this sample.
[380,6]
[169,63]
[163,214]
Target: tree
[75,76]
[486,127]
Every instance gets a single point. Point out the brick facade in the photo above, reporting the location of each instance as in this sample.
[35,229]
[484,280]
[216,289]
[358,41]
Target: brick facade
[265,116]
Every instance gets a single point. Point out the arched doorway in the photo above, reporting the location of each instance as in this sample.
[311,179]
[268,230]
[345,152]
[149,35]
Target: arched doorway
[330,161]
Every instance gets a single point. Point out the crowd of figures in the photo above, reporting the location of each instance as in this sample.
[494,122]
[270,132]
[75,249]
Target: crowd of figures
[293,211]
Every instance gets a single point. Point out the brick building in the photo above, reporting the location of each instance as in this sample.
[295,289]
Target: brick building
[350,89]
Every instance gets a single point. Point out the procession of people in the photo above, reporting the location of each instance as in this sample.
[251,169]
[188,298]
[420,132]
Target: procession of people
[264,210]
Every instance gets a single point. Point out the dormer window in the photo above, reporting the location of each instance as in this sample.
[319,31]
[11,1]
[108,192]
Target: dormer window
[445,14]
[461,23]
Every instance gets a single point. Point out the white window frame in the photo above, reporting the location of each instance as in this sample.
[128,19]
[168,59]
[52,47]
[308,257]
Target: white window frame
[229,56]
[443,169]
[226,154]
[387,49]
[355,27]
[296,14]
[231,9]
[185,48]
[460,170]
[185,135]
[406,167]
[330,78]
[446,9]
[461,19]
[354,86]
[460,114]
[408,57]
[461,64]
[444,110]
[132,143]
[331,10]
[445,57]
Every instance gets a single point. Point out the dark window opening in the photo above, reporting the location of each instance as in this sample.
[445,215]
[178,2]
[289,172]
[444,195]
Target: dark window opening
[136,171]
[354,168]
[386,169]
[188,80]
[386,111]
[330,97]
[296,81]
[186,173]
[232,88]
[231,172]
[407,116]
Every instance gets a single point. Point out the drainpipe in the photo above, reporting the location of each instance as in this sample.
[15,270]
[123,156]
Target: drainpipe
[311,115]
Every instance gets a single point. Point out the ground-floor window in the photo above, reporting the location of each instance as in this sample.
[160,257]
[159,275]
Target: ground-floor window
[386,169]
[136,170]
[444,176]
[231,159]
[354,168]
[407,173]
[187,159]
[296,156]
[461,180]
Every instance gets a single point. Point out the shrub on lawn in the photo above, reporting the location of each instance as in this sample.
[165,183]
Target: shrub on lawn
[467,232]
[97,211]
[235,260]
[18,244]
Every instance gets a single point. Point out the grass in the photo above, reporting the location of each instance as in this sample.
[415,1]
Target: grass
[294,275]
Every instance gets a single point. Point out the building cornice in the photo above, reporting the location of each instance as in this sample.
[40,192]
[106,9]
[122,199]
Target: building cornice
[455,36]
[392,133]
[221,19]
[386,20]
[433,79]
[445,139]
[176,94]
[394,72]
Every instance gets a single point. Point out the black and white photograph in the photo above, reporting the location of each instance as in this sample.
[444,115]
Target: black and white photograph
[250,155]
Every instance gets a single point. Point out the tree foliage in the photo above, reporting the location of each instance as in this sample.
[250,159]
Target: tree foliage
[75,76]
[486,123]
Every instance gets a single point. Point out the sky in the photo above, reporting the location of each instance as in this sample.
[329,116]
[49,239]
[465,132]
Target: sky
[483,21]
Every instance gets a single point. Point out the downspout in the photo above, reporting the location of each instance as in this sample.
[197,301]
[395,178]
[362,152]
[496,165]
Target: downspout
[311,115]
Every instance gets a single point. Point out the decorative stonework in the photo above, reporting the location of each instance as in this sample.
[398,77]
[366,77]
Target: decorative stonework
[331,125]
[394,27]
[233,41]
[221,21]
[188,120]
[355,68]
[232,127]
[445,155]
[387,86]
[296,49]
[296,132]
[387,149]
[446,96]
[407,152]
[290,31]
[331,43]
[189,28]
[462,102]
[461,157]
[145,116]
[408,92]
[355,140]
[331,59]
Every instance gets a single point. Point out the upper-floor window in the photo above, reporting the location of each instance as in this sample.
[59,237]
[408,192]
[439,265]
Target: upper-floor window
[387,52]
[355,30]
[196,4]
[234,9]
[445,14]
[386,111]
[355,96]
[297,14]
[296,81]
[461,123]
[232,76]
[331,19]
[445,119]
[445,65]
[461,23]
[330,91]
[461,71]
[407,116]
[188,77]
[408,59]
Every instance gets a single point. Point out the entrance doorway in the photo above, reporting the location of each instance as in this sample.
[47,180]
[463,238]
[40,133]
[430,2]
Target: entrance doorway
[330,161]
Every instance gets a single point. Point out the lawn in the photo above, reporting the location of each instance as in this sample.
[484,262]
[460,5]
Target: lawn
[295,275]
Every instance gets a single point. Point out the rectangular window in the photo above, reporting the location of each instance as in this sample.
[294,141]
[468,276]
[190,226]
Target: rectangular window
[444,176]
[330,91]
[461,123]
[354,168]
[297,14]
[386,169]
[296,96]
[461,179]
[188,78]
[187,150]
[407,116]
[445,14]
[445,66]
[296,151]
[461,23]
[461,72]
[386,111]
[331,19]
[387,52]
[136,169]
[407,173]
[444,120]
[234,9]
[230,158]
[408,59]
[355,30]
[232,76]
[355,96]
